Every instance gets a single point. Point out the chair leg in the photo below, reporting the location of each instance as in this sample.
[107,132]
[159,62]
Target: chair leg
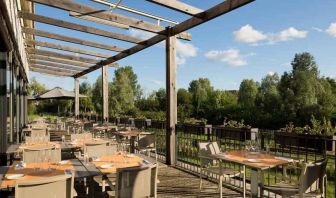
[221,186]
[200,184]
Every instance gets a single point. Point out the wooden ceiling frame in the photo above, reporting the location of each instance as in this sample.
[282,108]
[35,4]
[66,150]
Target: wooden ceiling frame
[198,19]
[56,65]
[162,33]
[64,61]
[98,20]
[61,55]
[70,5]
[78,27]
[178,6]
[66,48]
[53,73]
[71,39]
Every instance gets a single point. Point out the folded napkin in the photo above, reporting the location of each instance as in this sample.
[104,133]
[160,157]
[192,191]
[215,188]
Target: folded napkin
[146,161]
[285,158]
[20,165]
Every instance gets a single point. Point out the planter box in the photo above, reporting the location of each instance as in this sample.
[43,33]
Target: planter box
[240,134]
[313,142]
[142,123]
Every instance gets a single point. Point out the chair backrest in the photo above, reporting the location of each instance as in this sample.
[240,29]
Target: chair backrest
[137,182]
[36,155]
[112,148]
[205,150]
[81,136]
[312,173]
[146,141]
[96,149]
[60,186]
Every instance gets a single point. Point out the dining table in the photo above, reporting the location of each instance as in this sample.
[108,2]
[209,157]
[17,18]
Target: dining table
[258,162]
[131,135]
[108,164]
[9,175]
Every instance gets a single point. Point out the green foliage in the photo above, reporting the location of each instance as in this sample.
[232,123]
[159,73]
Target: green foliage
[35,88]
[200,90]
[247,94]
[300,97]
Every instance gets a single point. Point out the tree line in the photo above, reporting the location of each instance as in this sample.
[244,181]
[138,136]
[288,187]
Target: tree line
[295,97]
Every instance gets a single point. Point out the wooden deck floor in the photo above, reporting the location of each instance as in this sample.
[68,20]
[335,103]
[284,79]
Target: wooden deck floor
[177,183]
[174,183]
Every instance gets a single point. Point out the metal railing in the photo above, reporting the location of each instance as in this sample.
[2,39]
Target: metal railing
[308,148]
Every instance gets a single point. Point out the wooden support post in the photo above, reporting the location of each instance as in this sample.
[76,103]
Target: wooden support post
[76,98]
[3,106]
[21,94]
[105,93]
[17,96]
[171,99]
[25,104]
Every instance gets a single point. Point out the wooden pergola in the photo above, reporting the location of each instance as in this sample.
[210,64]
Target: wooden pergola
[65,64]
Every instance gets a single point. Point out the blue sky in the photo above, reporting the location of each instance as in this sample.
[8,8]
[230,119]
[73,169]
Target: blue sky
[250,42]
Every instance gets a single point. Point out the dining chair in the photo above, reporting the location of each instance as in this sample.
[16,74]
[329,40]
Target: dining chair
[210,165]
[311,183]
[96,149]
[136,182]
[35,155]
[60,186]
[146,143]
[123,142]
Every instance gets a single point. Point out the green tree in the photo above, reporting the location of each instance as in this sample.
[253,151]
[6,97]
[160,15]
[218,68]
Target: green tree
[124,90]
[35,88]
[247,93]
[184,104]
[97,95]
[200,90]
[85,103]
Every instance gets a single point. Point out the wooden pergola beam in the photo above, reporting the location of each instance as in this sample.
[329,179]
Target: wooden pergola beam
[78,27]
[71,39]
[67,67]
[48,72]
[66,48]
[178,6]
[98,20]
[38,66]
[64,61]
[61,55]
[70,5]
[218,10]
[135,11]
[58,60]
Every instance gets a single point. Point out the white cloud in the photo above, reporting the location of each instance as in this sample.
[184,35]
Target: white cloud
[271,73]
[140,34]
[231,57]
[247,34]
[288,34]
[288,64]
[332,29]
[317,29]
[183,50]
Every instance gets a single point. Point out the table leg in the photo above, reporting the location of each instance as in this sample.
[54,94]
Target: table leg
[262,183]
[254,183]
[244,181]
[132,144]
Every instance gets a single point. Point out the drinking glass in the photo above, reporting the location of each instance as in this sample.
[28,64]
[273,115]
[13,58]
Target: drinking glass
[86,158]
